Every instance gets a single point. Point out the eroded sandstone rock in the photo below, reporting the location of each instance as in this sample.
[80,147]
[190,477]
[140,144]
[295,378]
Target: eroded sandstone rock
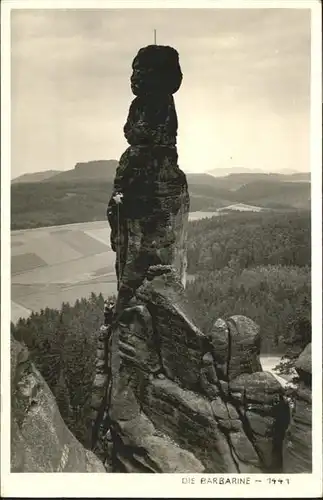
[297,449]
[244,336]
[256,389]
[156,70]
[152,219]
[303,365]
[235,346]
[234,431]
[148,228]
[180,400]
[40,440]
[265,414]
[152,120]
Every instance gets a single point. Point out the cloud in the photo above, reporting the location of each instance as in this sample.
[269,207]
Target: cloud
[70,83]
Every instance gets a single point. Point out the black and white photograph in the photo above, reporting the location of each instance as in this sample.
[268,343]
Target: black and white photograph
[161,249]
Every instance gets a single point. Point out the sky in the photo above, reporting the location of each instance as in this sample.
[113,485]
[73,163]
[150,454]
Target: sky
[244,99]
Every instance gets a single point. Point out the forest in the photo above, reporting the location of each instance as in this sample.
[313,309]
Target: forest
[255,264]
[42,204]
[247,239]
[69,198]
[62,344]
[258,265]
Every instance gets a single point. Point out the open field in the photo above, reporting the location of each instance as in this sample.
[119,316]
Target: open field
[59,264]
[51,265]
[241,207]
[201,215]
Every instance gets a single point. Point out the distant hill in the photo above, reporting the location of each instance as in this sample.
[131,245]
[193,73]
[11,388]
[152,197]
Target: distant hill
[300,176]
[287,171]
[82,194]
[47,203]
[207,193]
[221,171]
[36,176]
[233,182]
[82,172]
[273,194]
[246,174]
[203,178]
[88,171]
[225,178]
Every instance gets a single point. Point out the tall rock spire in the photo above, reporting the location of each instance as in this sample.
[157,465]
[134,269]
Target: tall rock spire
[148,226]
[178,399]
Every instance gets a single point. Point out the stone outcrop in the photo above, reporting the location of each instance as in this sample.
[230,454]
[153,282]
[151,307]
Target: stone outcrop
[148,229]
[176,392]
[297,449]
[40,440]
[236,346]
[178,399]
[156,70]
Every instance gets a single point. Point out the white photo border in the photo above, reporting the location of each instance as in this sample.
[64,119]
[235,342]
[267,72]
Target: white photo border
[169,485]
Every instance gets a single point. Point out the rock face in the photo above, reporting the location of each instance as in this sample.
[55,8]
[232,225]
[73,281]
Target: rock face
[148,229]
[156,70]
[40,440]
[178,400]
[152,120]
[166,383]
[236,346]
[297,449]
